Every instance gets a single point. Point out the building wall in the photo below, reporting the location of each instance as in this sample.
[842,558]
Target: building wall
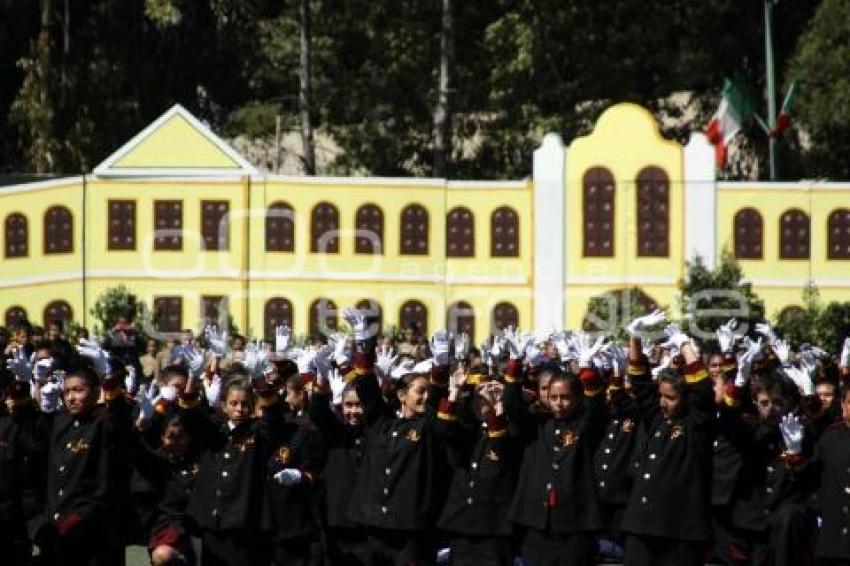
[177,158]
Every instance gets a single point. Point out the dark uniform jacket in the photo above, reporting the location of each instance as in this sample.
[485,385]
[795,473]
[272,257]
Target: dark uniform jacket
[345,448]
[671,494]
[557,488]
[830,467]
[397,485]
[161,487]
[78,470]
[22,468]
[231,490]
[484,462]
[612,462]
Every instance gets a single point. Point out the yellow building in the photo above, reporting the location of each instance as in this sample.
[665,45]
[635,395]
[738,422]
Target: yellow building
[194,229]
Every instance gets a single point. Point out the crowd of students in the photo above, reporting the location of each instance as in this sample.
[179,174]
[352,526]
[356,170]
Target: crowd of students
[554,449]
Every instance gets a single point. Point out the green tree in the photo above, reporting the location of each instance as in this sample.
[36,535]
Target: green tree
[611,312]
[710,297]
[114,302]
[833,326]
[821,64]
[800,324]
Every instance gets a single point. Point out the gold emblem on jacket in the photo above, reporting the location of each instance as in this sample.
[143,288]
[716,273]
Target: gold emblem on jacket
[569,438]
[492,456]
[77,446]
[284,454]
[628,426]
[412,435]
[243,444]
[676,431]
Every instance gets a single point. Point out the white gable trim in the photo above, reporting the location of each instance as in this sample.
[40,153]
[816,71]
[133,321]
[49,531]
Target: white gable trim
[107,169]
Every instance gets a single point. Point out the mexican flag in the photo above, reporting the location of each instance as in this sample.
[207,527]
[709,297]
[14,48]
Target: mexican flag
[735,107]
[783,121]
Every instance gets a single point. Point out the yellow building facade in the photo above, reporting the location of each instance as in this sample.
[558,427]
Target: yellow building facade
[195,230]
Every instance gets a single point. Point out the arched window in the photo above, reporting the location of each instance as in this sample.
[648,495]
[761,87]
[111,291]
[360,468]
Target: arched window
[14,316]
[414,230]
[838,227]
[504,315]
[374,316]
[748,234]
[794,234]
[58,311]
[17,235]
[414,314]
[323,317]
[278,312]
[324,228]
[280,228]
[599,192]
[460,233]
[504,232]
[653,213]
[58,230]
[461,318]
[369,223]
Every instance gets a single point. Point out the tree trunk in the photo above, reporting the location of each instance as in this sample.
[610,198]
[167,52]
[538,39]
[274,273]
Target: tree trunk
[443,113]
[304,96]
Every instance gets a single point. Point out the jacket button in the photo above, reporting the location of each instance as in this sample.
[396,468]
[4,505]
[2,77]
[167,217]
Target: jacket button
[602,484]
[469,501]
[472,483]
[215,512]
[56,516]
[227,455]
[845,509]
[224,474]
[646,476]
[555,466]
[386,491]
[604,466]
[61,493]
[62,468]
[357,441]
[388,471]
[384,510]
[474,465]
[844,531]
[218,493]
[643,499]
[652,456]
[770,469]
[769,489]
[847,489]
[610,435]
[607,450]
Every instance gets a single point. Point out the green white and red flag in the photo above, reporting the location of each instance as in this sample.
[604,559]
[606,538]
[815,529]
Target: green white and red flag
[735,107]
[783,121]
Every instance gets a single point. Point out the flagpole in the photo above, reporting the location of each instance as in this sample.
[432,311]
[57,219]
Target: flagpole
[771,83]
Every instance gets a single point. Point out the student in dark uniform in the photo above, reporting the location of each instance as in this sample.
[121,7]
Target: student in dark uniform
[231,503]
[22,467]
[484,461]
[555,500]
[829,468]
[162,483]
[78,501]
[394,496]
[344,443]
[668,517]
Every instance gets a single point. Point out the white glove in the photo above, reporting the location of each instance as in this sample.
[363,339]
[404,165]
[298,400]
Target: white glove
[664,364]
[844,360]
[322,361]
[51,397]
[217,340]
[440,342]
[802,379]
[425,366]
[358,323]
[745,361]
[517,344]
[639,325]
[42,369]
[726,336]
[288,476]
[337,341]
[588,349]
[256,357]
[462,346]
[765,330]
[402,369]
[195,358]
[782,350]
[675,337]
[337,383]
[384,359]
[100,358]
[282,337]
[146,398]
[497,350]
[792,433]
[130,381]
[619,356]
[566,345]
[212,390]
[531,352]
[304,358]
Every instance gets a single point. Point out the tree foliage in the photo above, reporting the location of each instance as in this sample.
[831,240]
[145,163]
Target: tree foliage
[611,312]
[115,302]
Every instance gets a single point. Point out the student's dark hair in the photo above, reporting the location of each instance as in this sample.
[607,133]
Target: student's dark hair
[174,418]
[238,384]
[87,374]
[570,380]
[675,379]
[285,368]
[36,329]
[174,370]
[845,389]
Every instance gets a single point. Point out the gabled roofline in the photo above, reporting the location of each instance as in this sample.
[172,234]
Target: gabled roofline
[106,169]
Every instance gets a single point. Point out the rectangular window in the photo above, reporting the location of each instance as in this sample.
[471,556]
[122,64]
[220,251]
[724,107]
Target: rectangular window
[168,223]
[122,225]
[213,307]
[215,224]
[168,313]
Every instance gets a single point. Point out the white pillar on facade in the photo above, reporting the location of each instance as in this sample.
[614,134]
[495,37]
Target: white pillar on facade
[549,224]
[700,186]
